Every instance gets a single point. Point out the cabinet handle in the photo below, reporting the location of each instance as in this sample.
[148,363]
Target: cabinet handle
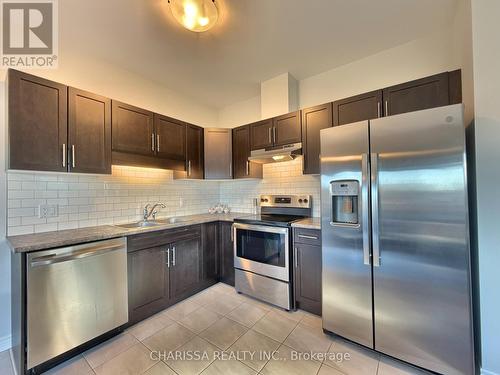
[295,255]
[274,134]
[307,237]
[233,229]
[230,169]
[152,142]
[248,168]
[378,109]
[64,155]
[168,257]
[270,135]
[386,108]
[189,168]
[73,159]
[157,143]
[173,256]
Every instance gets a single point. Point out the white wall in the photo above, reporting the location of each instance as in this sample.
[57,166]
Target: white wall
[278,95]
[486,30]
[240,113]
[416,59]
[432,54]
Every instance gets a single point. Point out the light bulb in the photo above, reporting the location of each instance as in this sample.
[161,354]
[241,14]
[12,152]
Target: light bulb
[195,15]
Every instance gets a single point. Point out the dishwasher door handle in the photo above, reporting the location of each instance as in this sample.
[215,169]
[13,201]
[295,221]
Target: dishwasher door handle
[65,257]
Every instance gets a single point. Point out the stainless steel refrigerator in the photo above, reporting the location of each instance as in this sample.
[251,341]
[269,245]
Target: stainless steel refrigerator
[396,258]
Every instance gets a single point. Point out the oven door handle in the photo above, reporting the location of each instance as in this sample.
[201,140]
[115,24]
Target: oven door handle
[260,228]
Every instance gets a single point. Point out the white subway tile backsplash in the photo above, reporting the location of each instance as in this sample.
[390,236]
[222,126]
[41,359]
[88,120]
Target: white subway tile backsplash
[88,200]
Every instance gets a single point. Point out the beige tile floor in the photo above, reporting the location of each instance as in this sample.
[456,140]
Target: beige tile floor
[231,334]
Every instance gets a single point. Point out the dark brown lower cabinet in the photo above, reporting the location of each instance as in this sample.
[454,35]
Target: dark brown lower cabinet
[185,266]
[226,274]
[307,272]
[210,237]
[164,267]
[148,278]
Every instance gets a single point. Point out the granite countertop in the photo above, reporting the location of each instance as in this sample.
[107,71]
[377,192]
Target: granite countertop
[309,223]
[47,240]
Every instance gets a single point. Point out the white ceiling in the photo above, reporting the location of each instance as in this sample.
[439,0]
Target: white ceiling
[254,40]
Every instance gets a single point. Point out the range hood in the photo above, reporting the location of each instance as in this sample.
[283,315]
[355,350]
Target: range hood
[276,154]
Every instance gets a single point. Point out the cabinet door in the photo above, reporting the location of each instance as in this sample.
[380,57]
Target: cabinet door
[218,153]
[170,138]
[194,160]
[313,120]
[416,95]
[242,168]
[133,130]
[307,277]
[261,134]
[287,129]
[227,254]
[148,282]
[210,233]
[358,108]
[89,132]
[185,266]
[37,123]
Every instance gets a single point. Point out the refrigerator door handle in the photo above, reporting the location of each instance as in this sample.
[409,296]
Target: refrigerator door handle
[365,209]
[375,213]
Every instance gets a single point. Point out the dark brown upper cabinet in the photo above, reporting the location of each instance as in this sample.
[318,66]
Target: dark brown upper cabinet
[358,108]
[133,130]
[218,153]
[194,155]
[313,120]
[37,123]
[261,134]
[170,142]
[242,168]
[417,95]
[286,129]
[89,140]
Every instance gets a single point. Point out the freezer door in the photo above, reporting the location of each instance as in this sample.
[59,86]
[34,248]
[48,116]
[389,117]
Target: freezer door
[347,276]
[422,303]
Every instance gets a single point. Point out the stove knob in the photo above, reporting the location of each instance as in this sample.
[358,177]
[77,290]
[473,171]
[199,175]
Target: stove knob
[266,200]
[300,200]
[262,199]
[305,200]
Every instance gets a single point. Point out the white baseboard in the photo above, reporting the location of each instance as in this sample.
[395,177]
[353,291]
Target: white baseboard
[5,343]
[487,372]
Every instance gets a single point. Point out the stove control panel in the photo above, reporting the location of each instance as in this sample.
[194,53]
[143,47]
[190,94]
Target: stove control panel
[292,201]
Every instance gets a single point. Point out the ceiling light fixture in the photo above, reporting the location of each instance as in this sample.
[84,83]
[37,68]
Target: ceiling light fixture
[195,15]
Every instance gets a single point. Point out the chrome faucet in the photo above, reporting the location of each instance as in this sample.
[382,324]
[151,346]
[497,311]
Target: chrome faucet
[147,212]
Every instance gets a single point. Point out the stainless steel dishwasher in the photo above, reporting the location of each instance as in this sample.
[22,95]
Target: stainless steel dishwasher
[74,294]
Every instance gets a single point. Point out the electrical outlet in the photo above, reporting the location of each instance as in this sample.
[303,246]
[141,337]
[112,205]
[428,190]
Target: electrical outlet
[47,210]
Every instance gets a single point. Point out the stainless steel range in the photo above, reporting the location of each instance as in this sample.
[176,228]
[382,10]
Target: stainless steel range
[262,244]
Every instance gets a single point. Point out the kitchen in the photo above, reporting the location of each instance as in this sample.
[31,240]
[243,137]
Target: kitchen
[204,198]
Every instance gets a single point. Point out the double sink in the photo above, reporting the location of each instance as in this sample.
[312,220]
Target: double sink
[149,224]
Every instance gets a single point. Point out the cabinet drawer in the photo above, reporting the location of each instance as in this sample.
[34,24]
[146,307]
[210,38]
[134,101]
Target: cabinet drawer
[307,236]
[158,238]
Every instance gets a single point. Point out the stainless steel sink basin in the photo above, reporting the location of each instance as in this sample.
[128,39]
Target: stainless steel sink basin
[139,224]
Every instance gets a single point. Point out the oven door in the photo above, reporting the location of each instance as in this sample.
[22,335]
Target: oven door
[262,249]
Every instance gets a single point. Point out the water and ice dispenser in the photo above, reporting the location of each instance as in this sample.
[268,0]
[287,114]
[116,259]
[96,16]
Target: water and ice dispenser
[344,195]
